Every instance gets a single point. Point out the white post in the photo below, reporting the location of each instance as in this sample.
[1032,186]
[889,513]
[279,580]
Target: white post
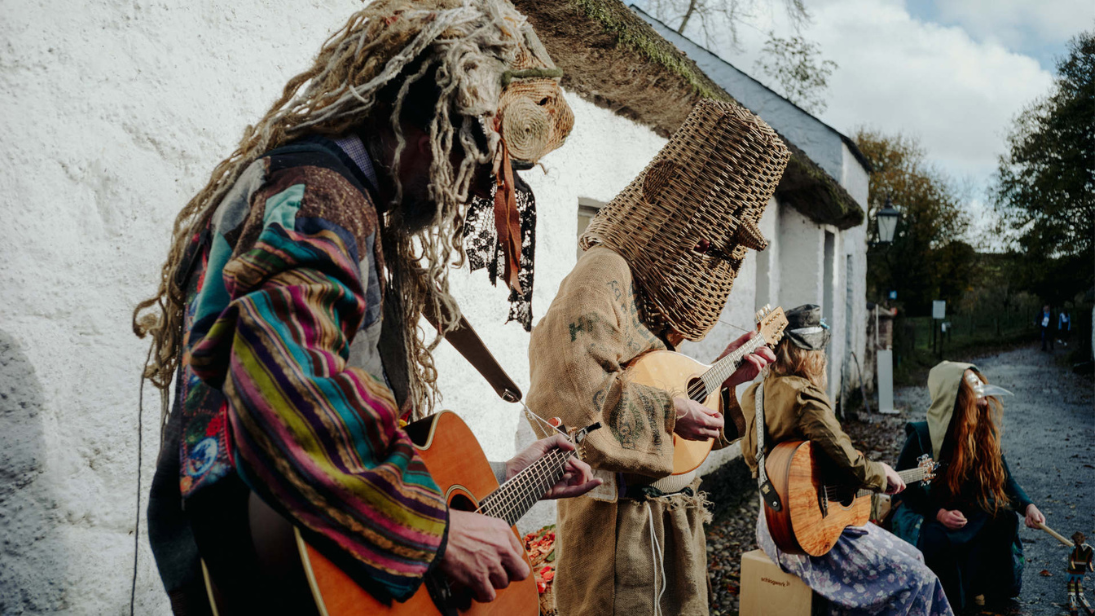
[885,382]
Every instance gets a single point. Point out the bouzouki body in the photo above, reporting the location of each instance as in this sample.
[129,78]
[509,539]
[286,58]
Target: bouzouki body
[814,512]
[685,377]
[673,372]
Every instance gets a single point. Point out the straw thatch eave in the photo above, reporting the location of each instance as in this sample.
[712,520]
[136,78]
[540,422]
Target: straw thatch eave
[614,59]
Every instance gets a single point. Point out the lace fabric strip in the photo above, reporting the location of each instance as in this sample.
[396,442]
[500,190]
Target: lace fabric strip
[485,252]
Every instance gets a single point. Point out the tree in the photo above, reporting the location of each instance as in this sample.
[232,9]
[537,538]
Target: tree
[1044,187]
[718,16]
[928,259]
[797,70]
[794,66]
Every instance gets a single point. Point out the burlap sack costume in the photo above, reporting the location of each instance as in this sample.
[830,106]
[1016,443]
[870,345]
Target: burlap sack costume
[660,261]
[577,353]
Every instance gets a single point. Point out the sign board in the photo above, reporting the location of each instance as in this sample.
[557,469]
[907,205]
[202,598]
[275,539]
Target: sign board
[893,294]
[885,382]
[939,309]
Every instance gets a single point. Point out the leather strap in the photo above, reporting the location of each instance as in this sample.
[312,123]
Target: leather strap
[465,340]
[767,490]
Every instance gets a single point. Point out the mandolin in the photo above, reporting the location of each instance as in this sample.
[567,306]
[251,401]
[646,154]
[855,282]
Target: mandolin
[314,584]
[815,510]
[680,374]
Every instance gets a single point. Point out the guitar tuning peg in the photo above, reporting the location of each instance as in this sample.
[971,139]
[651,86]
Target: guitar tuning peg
[768,307]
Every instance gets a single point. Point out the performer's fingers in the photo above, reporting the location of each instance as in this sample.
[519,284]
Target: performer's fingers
[516,567]
[583,470]
[574,490]
[561,442]
[482,586]
[499,579]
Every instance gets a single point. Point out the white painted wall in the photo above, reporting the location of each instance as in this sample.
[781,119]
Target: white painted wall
[113,114]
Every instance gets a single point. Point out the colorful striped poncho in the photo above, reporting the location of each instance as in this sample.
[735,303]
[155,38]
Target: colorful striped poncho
[282,381]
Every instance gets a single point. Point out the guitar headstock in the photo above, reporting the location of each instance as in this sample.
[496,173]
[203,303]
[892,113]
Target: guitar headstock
[928,466]
[770,323]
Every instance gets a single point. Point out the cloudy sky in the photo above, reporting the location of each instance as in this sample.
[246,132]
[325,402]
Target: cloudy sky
[951,72]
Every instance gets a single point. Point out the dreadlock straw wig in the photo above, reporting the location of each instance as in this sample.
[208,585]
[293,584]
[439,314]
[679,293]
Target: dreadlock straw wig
[487,66]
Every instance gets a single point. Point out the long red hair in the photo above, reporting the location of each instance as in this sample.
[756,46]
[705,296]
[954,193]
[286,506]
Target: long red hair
[976,466]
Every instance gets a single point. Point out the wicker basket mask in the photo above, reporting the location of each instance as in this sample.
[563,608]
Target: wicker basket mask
[685,223]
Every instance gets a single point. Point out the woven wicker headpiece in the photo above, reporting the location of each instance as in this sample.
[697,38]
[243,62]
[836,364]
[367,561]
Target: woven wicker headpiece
[685,223]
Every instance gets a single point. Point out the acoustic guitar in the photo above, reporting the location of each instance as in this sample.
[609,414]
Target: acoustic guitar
[815,510]
[314,584]
[682,375]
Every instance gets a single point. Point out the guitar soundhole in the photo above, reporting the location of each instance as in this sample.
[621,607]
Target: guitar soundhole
[843,495]
[461,502]
[696,389]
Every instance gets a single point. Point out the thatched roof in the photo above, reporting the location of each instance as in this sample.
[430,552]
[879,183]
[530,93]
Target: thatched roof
[613,58]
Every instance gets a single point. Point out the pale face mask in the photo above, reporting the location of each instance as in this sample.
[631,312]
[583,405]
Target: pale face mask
[984,390]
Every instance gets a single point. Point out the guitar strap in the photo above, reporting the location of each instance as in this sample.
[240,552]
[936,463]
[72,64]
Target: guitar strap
[465,340]
[767,490]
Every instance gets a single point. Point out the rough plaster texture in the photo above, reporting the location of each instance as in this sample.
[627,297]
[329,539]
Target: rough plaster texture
[112,115]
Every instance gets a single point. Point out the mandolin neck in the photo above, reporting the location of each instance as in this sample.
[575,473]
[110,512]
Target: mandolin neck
[518,494]
[714,377]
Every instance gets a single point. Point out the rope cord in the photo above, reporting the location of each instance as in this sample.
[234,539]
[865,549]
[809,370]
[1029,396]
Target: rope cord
[140,451]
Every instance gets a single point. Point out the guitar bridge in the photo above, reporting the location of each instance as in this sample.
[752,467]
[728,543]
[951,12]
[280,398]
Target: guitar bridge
[823,502]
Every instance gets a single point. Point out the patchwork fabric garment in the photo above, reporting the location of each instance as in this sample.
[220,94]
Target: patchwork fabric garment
[616,556]
[868,571]
[282,379]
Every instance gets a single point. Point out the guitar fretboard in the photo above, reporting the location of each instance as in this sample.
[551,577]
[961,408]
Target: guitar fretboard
[516,496]
[911,475]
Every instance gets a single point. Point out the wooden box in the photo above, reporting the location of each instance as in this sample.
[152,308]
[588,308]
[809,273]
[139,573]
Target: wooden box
[767,590]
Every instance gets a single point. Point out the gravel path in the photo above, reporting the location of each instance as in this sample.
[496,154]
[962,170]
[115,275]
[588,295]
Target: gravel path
[1049,439]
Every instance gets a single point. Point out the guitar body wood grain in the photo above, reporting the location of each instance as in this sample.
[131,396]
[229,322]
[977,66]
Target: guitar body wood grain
[673,372]
[461,470]
[802,527]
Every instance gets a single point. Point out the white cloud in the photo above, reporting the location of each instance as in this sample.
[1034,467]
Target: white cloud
[936,82]
[897,73]
[1018,23]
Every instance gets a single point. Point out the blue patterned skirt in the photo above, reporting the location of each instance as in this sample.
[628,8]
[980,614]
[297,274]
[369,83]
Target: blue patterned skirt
[868,571]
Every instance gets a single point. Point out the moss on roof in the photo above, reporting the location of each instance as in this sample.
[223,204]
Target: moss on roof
[613,58]
[639,36]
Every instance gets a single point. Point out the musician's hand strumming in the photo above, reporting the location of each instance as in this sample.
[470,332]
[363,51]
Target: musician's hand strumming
[695,421]
[751,365]
[482,554]
[578,478]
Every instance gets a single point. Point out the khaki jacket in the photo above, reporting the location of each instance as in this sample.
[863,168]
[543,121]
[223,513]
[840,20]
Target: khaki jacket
[795,409]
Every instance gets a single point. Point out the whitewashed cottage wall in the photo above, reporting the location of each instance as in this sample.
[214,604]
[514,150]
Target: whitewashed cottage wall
[113,114]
